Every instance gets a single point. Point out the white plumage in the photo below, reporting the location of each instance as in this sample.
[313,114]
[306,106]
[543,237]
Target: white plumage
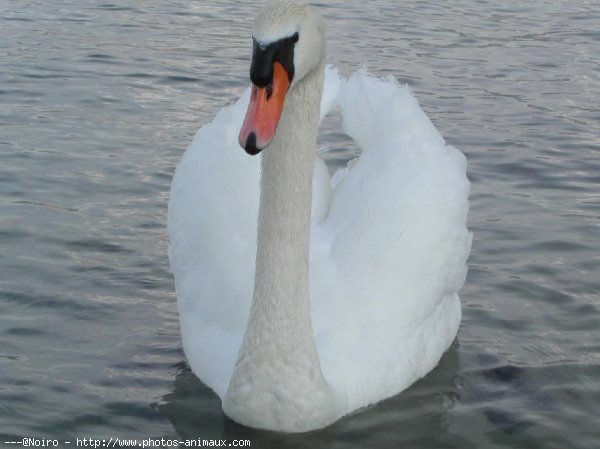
[388,246]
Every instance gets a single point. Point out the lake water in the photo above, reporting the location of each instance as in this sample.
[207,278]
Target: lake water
[98,101]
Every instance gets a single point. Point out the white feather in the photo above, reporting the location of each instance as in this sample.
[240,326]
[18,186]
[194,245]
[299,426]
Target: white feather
[386,262]
[388,251]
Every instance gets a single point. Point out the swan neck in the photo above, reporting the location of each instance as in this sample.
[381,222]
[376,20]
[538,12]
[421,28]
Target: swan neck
[278,356]
[281,280]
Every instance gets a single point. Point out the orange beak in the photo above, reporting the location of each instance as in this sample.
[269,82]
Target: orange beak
[264,112]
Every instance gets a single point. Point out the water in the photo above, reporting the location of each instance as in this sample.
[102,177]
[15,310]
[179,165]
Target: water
[98,102]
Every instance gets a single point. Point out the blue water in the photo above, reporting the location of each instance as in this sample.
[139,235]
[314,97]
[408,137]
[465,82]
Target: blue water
[98,101]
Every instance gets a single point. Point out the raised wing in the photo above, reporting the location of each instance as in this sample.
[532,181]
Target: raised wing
[396,246]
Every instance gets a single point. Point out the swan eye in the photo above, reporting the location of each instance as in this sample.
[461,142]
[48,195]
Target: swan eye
[295,37]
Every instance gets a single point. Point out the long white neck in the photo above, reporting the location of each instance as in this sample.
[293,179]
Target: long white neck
[277,382]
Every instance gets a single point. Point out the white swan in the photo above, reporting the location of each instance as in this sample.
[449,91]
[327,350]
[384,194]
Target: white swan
[292,339]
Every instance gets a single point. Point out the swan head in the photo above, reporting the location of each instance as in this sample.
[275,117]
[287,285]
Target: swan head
[288,44]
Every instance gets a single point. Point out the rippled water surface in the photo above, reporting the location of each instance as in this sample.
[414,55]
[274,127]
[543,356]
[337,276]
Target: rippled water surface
[98,102]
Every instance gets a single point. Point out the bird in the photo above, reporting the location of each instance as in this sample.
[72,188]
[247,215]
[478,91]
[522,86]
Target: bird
[303,296]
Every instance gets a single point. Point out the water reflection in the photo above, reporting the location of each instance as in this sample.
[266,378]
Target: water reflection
[195,412]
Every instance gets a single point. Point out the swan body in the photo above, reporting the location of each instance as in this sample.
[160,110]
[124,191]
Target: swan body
[304,297]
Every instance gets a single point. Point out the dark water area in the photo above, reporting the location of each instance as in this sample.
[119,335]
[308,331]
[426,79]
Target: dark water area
[98,101]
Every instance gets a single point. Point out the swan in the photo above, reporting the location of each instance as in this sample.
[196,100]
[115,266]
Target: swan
[304,297]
